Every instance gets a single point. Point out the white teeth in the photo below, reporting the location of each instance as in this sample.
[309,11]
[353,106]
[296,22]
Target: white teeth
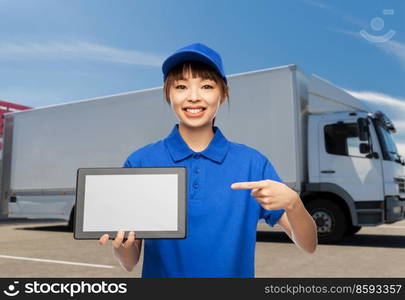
[194,110]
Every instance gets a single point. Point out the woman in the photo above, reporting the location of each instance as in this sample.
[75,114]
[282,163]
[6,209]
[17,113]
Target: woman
[231,186]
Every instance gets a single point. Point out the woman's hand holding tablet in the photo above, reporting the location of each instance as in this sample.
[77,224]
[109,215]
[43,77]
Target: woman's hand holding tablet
[127,251]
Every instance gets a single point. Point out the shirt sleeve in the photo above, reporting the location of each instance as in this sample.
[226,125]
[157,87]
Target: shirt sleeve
[273,215]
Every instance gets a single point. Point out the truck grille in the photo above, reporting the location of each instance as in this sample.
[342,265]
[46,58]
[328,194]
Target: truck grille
[401,184]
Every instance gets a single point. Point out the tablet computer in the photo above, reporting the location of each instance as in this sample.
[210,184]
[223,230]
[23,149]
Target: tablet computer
[149,201]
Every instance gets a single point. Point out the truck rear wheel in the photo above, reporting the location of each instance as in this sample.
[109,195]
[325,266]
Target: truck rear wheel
[330,220]
[71,219]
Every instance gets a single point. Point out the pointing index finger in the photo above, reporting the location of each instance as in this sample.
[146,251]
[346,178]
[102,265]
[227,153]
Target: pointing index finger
[247,185]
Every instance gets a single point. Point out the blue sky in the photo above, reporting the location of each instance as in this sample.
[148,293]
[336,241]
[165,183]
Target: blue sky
[55,51]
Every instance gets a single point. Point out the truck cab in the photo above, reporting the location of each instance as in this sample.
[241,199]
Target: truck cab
[355,167]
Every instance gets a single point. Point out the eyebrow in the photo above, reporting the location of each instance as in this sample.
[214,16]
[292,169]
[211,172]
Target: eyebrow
[186,79]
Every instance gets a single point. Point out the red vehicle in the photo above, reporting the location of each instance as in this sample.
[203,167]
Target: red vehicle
[6,107]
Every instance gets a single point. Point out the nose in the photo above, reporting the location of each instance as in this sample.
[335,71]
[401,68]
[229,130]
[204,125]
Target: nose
[193,94]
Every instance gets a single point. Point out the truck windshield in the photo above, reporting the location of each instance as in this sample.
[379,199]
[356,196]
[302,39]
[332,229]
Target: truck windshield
[390,151]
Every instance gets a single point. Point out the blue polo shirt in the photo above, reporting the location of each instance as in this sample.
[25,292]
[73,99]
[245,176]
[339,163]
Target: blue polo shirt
[221,222]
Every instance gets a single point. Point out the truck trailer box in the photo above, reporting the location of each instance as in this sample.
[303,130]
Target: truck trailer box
[45,146]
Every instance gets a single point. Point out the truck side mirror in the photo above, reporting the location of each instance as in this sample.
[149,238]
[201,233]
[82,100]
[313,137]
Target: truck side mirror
[364,148]
[362,124]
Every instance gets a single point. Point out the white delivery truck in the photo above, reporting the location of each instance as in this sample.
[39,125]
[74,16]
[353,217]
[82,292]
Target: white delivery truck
[323,142]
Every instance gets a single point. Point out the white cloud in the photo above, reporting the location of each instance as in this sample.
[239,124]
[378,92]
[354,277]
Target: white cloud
[341,14]
[399,125]
[379,98]
[75,50]
[315,3]
[395,48]
[401,148]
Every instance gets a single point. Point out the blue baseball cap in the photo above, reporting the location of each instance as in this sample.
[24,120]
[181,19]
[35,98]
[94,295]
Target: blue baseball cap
[194,52]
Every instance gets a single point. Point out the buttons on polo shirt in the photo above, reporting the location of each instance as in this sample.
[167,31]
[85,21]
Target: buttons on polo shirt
[196,171]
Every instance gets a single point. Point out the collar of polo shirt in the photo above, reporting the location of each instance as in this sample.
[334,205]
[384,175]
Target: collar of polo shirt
[179,150]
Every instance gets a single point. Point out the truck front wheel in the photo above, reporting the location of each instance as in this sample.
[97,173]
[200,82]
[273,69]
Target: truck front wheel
[330,220]
[351,230]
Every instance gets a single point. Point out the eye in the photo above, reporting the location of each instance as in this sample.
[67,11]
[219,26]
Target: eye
[180,87]
[208,86]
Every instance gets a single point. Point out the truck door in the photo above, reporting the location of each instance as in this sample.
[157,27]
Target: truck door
[341,162]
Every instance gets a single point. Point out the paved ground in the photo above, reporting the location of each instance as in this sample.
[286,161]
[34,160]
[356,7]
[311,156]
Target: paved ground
[46,249]
[372,252]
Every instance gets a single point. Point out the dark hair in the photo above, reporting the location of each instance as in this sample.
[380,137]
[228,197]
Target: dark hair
[197,69]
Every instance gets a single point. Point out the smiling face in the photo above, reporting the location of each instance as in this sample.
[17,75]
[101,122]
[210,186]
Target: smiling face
[195,94]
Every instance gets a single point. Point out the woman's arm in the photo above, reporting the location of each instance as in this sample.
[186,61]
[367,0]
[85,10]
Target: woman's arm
[297,222]
[300,226]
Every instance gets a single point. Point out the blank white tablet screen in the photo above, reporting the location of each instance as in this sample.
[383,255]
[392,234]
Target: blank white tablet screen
[135,202]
